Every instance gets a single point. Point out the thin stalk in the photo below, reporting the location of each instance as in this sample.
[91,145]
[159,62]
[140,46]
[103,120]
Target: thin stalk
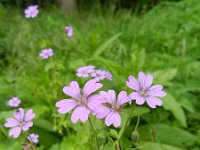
[95,134]
[123,129]
[138,121]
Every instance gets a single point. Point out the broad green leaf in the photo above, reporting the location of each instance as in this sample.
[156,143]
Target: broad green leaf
[166,134]
[169,103]
[105,45]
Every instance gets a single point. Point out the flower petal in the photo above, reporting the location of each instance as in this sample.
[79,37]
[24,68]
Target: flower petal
[133,83]
[27,125]
[110,96]
[29,115]
[122,98]
[90,87]
[148,80]
[81,113]
[66,105]
[15,132]
[102,112]
[72,90]
[11,123]
[19,114]
[153,102]
[140,100]
[142,78]
[113,118]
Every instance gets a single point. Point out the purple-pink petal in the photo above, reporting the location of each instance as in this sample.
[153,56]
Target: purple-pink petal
[72,90]
[133,83]
[11,123]
[90,87]
[153,102]
[122,98]
[27,125]
[19,114]
[81,112]
[15,132]
[113,118]
[29,115]
[148,80]
[66,105]
[141,77]
[102,112]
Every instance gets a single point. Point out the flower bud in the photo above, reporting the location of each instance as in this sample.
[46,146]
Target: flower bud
[135,136]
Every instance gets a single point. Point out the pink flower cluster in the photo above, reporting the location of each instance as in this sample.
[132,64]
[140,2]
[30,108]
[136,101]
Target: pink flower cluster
[14,102]
[69,31]
[106,104]
[46,53]
[89,71]
[31,11]
[33,138]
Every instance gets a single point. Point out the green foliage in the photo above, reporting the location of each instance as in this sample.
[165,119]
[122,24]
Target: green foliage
[163,42]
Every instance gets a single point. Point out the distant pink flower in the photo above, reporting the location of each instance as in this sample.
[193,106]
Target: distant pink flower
[85,71]
[69,31]
[144,91]
[112,108]
[99,75]
[20,122]
[33,138]
[14,102]
[46,53]
[31,11]
[81,101]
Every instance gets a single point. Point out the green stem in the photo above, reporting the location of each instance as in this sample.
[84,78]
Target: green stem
[123,129]
[95,134]
[138,121]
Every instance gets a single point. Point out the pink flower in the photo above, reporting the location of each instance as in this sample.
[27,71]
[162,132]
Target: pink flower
[69,31]
[31,11]
[14,102]
[81,101]
[144,91]
[85,71]
[33,138]
[46,53]
[20,122]
[99,75]
[111,111]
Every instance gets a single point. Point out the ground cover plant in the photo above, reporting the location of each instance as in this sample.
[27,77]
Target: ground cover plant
[97,80]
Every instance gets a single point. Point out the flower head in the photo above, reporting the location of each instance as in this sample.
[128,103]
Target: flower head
[31,11]
[85,71]
[144,91]
[20,122]
[33,138]
[46,53]
[99,75]
[14,102]
[69,31]
[111,106]
[81,101]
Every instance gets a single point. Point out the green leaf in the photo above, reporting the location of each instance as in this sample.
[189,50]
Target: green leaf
[166,134]
[44,124]
[164,76]
[169,103]
[105,45]
[114,133]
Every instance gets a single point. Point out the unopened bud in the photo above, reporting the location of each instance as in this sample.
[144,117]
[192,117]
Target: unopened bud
[135,136]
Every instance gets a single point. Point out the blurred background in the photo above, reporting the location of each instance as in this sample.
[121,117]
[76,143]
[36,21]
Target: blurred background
[161,37]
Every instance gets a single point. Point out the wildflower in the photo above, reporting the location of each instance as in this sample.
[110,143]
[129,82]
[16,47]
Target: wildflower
[111,110]
[20,122]
[46,53]
[31,11]
[85,71]
[81,101]
[33,138]
[99,75]
[14,102]
[144,91]
[69,31]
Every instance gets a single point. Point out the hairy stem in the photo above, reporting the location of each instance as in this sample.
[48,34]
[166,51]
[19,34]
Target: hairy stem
[95,134]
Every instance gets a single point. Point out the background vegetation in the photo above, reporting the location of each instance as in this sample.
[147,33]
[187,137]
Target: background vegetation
[164,41]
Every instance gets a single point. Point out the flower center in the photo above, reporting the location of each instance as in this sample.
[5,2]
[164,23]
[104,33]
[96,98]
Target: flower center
[21,123]
[144,93]
[82,100]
